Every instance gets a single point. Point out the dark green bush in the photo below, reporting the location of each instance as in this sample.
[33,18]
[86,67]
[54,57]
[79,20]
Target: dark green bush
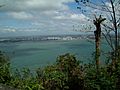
[5,76]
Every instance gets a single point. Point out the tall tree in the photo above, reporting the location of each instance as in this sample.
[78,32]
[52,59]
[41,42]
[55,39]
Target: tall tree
[97,22]
[110,9]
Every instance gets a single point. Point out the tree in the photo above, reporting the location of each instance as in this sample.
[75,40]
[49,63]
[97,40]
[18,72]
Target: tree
[4,69]
[97,22]
[69,65]
[110,9]
[66,74]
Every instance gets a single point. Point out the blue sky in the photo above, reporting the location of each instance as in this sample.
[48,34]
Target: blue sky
[41,17]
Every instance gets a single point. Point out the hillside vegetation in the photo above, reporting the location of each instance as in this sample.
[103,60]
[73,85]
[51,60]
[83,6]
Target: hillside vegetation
[66,74]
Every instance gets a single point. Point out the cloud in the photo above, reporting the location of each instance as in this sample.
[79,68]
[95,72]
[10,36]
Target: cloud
[39,17]
[20,15]
[71,16]
[10,30]
[7,29]
[81,17]
[40,5]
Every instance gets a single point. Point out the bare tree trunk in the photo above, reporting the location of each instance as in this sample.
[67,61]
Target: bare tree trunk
[97,22]
[97,44]
[116,32]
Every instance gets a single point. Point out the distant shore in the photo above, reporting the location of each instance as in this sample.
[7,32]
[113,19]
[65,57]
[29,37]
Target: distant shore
[45,38]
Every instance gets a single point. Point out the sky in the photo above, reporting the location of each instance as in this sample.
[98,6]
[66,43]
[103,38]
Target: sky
[40,17]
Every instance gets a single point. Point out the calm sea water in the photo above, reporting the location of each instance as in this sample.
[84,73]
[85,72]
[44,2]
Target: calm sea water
[42,53]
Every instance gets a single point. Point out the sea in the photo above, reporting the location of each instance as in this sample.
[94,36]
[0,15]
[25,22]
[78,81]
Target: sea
[37,54]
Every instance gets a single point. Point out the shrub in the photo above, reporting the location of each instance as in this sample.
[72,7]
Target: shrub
[4,69]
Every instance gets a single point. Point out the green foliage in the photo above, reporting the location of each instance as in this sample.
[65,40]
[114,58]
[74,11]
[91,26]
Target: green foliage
[103,81]
[66,63]
[25,80]
[71,68]
[4,69]
[66,74]
[54,79]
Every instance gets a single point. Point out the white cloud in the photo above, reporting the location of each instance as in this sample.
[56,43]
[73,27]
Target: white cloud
[20,15]
[81,17]
[108,4]
[78,17]
[8,30]
[40,5]
[60,17]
